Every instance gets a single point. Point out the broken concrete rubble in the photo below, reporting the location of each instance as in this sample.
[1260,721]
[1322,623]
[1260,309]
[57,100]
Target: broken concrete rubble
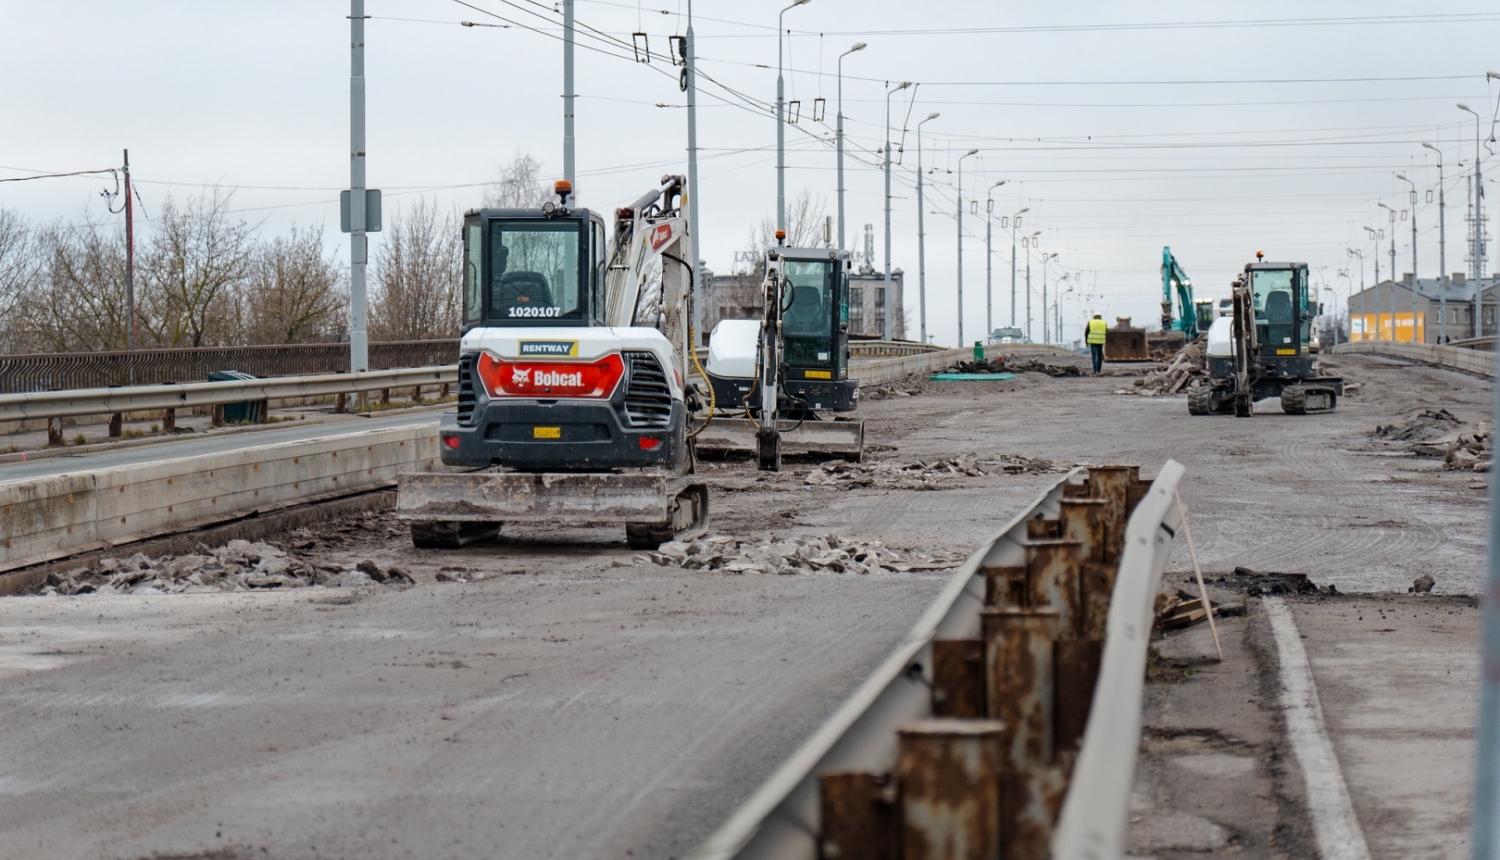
[1435,433]
[917,475]
[828,554]
[237,566]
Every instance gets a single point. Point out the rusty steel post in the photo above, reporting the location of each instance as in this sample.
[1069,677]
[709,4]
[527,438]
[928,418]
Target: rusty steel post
[385,397]
[1043,529]
[216,415]
[1096,586]
[443,391]
[958,678]
[1006,587]
[1030,802]
[858,817]
[1019,682]
[1076,664]
[1111,483]
[1052,578]
[116,425]
[948,774]
[416,395]
[341,404]
[1083,521]
[54,433]
[1133,495]
[168,420]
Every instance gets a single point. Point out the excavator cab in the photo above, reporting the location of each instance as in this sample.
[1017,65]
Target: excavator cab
[525,269]
[815,328]
[1263,348]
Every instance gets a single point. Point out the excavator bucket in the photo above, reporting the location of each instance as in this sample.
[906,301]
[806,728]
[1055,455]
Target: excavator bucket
[836,438]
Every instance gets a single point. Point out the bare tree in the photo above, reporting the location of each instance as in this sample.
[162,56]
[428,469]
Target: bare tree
[519,186]
[805,215]
[294,291]
[21,263]
[194,259]
[417,292]
[76,303]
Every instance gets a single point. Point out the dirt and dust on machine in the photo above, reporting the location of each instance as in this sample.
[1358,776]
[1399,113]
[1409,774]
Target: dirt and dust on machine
[780,383]
[1261,348]
[573,407]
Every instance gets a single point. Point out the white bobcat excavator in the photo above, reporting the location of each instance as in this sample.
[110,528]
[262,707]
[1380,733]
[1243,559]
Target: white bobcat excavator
[786,371]
[572,404]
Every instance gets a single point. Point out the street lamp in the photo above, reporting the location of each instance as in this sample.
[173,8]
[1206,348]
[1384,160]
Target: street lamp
[858,46]
[1057,308]
[889,302]
[961,243]
[1476,241]
[922,231]
[1015,224]
[1045,258]
[989,286]
[1391,293]
[1442,251]
[1363,299]
[1415,275]
[1029,241]
[781,122]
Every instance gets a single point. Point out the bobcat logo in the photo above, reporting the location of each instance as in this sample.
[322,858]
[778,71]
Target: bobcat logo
[520,376]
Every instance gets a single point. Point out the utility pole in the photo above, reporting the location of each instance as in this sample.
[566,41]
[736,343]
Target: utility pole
[359,348]
[839,133]
[1442,252]
[1028,297]
[1415,274]
[1015,224]
[888,326]
[989,258]
[781,122]
[921,228]
[961,244]
[690,78]
[129,266]
[569,172]
[1476,242]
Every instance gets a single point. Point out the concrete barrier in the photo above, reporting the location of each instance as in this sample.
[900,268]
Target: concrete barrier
[55,516]
[1473,361]
[879,371]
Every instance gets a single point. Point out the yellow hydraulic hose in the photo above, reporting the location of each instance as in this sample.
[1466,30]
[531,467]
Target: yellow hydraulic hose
[713,400]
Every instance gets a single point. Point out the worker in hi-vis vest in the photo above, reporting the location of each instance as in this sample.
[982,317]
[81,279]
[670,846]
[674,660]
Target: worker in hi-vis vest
[1096,341]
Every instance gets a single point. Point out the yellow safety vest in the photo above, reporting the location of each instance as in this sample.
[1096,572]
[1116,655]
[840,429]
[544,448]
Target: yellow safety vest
[1096,331]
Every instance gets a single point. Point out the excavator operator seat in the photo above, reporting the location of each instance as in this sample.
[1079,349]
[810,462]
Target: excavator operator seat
[520,290]
[1281,323]
[807,315]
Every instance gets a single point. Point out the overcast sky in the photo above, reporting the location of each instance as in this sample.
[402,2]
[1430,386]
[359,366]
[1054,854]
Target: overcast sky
[1219,129]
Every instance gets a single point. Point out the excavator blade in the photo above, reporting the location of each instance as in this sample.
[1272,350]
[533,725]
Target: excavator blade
[844,439]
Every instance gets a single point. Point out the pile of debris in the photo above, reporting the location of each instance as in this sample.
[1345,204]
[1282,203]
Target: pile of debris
[238,566]
[1184,370]
[917,475]
[1016,364]
[1437,433]
[828,554]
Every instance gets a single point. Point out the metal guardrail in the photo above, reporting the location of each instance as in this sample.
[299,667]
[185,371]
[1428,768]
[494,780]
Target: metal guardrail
[1485,343]
[951,740]
[1459,358]
[75,370]
[888,348]
[143,398]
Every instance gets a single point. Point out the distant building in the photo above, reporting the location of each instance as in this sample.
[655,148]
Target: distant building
[1372,311]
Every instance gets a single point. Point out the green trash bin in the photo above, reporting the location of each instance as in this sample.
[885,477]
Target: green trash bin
[244,411]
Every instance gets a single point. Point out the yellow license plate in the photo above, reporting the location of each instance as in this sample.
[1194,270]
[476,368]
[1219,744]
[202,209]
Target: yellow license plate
[1286,352]
[546,432]
[817,374]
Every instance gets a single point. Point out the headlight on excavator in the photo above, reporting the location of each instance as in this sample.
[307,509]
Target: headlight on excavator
[547,379]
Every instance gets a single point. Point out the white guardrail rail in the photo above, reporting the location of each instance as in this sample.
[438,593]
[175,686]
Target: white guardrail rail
[1459,358]
[965,734]
[51,517]
[144,398]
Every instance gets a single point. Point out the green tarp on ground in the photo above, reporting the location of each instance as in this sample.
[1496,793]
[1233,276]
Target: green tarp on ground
[966,377]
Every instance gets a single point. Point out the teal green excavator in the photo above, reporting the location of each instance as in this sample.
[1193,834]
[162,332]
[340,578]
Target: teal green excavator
[1186,318]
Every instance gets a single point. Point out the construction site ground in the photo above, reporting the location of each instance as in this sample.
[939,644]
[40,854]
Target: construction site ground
[559,695]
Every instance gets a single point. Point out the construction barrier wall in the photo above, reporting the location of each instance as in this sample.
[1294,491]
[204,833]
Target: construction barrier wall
[58,515]
[1458,358]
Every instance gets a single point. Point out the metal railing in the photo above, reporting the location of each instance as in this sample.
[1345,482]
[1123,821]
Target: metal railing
[145,398]
[74,370]
[952,738]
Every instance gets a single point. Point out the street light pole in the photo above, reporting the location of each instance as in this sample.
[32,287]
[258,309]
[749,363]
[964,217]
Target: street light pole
[1476,241]
[858,46]
[989,258]
[1045,257]
[1029,241]
[1442,252]
[568,164]
[1015,224]
[1375,236]
[690,77]
[781,123]
[961,243]
[921,231]
[359,349]
[889,324]
[1363,299]
[1415,274]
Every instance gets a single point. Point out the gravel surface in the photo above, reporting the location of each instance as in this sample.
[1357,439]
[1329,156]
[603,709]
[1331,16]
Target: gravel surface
[554,694]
